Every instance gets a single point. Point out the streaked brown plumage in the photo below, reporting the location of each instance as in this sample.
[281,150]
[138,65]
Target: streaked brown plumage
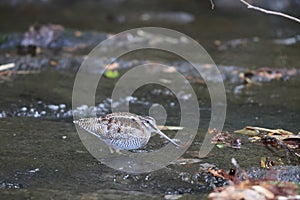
[124,131]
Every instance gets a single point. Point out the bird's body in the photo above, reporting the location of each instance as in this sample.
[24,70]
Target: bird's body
[123,131]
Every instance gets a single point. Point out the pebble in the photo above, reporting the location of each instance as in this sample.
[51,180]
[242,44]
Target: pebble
[24,109]
[62,106]
[34,170]
[2,114]
[53,107]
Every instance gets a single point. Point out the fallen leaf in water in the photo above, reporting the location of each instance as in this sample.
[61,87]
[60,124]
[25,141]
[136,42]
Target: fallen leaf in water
[255,190]
[277,138]
[220,173]
[267,163]
[248,131]
[254,139]
[292,142]
[225,139]
[220,146]
[251,188]
[111,74]
[221,137]
[266,74]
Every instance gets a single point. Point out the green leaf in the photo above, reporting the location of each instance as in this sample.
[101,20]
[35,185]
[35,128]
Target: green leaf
[111,73]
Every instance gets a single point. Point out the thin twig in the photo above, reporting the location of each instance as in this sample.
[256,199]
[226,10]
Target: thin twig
[270,12]
[7,66]
[212,4]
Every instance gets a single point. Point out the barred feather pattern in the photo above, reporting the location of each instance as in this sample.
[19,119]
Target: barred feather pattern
[124,131]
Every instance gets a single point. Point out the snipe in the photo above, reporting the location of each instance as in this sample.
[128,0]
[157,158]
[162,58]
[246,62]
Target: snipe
[123,131]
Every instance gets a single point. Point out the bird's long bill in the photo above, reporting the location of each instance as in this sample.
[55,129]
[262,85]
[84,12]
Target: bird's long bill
[166,137]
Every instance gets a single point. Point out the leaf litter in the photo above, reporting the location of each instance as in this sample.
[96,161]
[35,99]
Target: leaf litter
[240,186]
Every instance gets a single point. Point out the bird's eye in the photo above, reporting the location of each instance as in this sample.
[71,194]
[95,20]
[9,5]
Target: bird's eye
[148,122]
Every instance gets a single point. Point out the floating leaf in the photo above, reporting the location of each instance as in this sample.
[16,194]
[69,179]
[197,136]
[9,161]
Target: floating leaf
[111,74]
[258,131]
[247,131]
[292,142]
[221,137]
[267,163]
[273,137]
[251,188]
[254,139]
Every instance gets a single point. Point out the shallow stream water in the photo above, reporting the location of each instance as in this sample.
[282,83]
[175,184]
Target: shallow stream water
[41,154]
